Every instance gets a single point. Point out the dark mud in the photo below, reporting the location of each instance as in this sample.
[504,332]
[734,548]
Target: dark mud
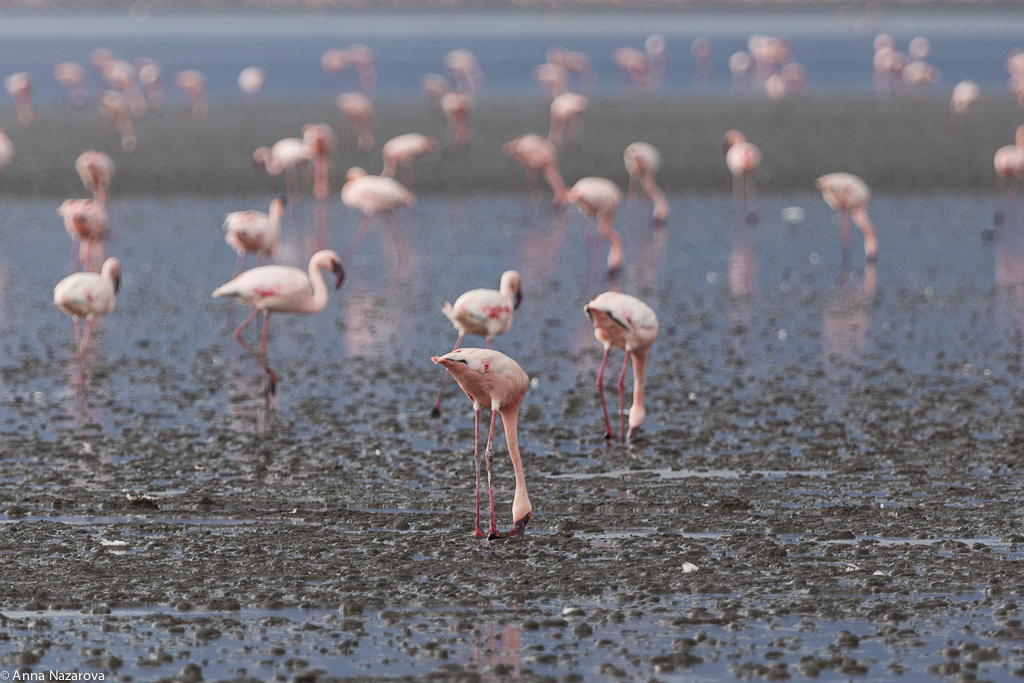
[895,144]
[827,450]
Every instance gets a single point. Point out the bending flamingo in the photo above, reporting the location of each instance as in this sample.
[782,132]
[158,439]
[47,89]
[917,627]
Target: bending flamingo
[403,150]
[1009,165]
[457,106]
[642,161]
[486,312]
[88,296]
[96,169]
[19,85]
[280,289]
[600,198]
[492,379]
[286,155]
[627,323]
[319,140]
[849,195]
[358,109]
[374,194]
[743,160]
[254,231]
[86,222]
[538,155]
[566,114]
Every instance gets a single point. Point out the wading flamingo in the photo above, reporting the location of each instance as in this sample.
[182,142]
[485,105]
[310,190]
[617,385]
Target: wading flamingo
[538,155]
[96,170]
[457,106]
[250,80]
[254,231]
[642,161]
[19,85]
[357,108]
[72,76]
[374,194]
[1009,165]
[492,379]
[486,312]
[6,149]
[286,155]
[193,84]
[849,195]
[86,222]
[743,160]
[600,198]
[627,323]
[320,141]
[115,107]
[150,78]
[88,296]
[280,289]
[965,95]
[566,119]
[402,151]
[465,70]
[434,87]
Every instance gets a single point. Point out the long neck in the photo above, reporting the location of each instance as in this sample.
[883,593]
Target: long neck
[510,421]
[637,411]
[554,179]
[316,279]
[860,217]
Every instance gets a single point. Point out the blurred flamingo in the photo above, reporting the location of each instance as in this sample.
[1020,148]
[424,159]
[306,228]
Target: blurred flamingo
[743,160]
[1009,165]
[96,170]
[642,162]
[255,232]
[465,70]
[492,379]
[115,107]
[286,155]
[357,108]
[361,57]
[374,194]
[320,141]
[72,76]
[193,84]
[86,222]
[149,77]
[250,81]
[599,198]
[566,117]
[457,107]
[965,95]
[88,296]
[402,151]
[849,195]
[19,85]
[538,155]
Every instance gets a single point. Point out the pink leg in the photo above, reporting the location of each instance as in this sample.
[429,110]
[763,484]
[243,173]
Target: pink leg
[270,378]
[401,247]
[238,336]
[476,462]
[845,231]
[78,340]
[437,404]
[238,269]
[622,395]
[489,455]
[608,433]
[364,225]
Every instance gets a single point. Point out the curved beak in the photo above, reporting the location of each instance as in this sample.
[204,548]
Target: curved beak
[117,283]
[519,528]
[339,273]
[517,299]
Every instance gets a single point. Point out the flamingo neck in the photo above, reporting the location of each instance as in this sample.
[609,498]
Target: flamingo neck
[316,279]
[860,217]
[510,421]
[637,411]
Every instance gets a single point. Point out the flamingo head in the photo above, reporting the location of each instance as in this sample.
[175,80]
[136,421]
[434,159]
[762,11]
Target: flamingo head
[519,526]
[354,172]
[111,270]
[339,273]
[732,137]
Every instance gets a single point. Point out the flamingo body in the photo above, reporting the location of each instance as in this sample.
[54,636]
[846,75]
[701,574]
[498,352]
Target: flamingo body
[537,154]
[849,195]
[88,296]
[283,289]
[403,150]
[86,221]
[254,231]
[643,161]
[96,170]
[600,198]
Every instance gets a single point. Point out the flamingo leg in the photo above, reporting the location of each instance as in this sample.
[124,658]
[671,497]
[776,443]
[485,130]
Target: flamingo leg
[78,340]
[437,404]
[845,231]
[238,269]
[489,455]
[357,239]
[476,462]
[401,246]
[622,395]
[751,197]
[269,375]
[608,433]
[261,358]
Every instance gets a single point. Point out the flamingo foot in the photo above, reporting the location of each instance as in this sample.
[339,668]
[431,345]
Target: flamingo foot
[519,528]
[660,222]
[633,432]
[493,533]
[478,533]
[435,412]
[751,218]
[609,435]
[271,379]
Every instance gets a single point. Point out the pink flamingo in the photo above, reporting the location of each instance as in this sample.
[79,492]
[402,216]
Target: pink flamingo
[123,77]
[490,378]
[280,289]
[361,57]
[849,195]
[115,107]
[465,70]
[320,141]
[486,312]
[149,77]
[566,116]
[743,160]
[193,84]
[538,155]
[374,194]
[19,85]
[434,87]
[250,80]
[286,155]
[403,150]
[457,106]
[86,222]
[254,231]
[6,149]
[334,61]
[72,76]
[627,323]
[600,198]
[642,161]
[1009,165]
[740,66]
[88,296]
[96,169]
[358,109]
[965,95]
[654,47]
[634,63]
[553,78]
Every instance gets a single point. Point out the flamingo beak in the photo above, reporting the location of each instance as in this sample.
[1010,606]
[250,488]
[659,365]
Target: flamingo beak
[633,432]
[339,273]
[517,299]
[519,528]
[117,283]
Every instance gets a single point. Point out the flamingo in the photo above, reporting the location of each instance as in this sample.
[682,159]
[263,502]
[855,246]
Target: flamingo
[434,87]
[634,62]
[965,95]
[600,198]
[89,296]
[654,47]
[280,289]
[627,323]
[1009,165]
[96,169]
[123,77]
[319,140]
[361,57]
[254,231]
[743,160]
[193,84]
[250,80]
[149,77]
[457,106]
[19,85]
[566,113]
[403,150]
[740,66]
[6,149]
[486,312]
[374,194]
[334,61]
[849,195]
[286,155]
[490,378]
[552,77]
[642,161]
[86,222]
[358,109]
[465,70]
[538,155]
[72,76]
[115,107]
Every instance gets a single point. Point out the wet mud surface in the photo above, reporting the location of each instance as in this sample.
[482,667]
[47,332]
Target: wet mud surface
[827,483]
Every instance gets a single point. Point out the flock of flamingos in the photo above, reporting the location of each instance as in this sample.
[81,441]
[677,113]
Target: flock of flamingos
[489,378]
